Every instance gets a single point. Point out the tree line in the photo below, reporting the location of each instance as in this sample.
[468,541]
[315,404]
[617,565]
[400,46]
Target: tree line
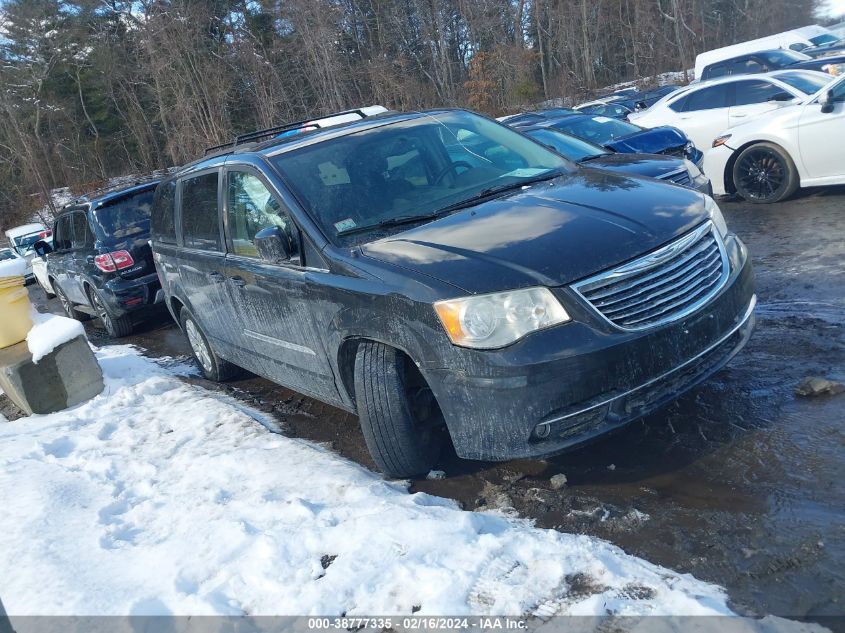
[97,88]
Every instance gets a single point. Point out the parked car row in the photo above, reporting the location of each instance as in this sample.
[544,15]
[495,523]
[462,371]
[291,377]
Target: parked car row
[443,276]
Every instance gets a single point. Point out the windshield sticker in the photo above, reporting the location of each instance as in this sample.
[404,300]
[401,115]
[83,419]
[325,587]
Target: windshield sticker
[602,119]
[345,225]
[525,172]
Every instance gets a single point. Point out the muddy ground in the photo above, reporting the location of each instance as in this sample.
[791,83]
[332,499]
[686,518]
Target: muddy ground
[740,482]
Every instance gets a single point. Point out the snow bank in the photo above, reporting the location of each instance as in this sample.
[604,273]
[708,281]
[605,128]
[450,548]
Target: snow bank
[49,331]
[157,497]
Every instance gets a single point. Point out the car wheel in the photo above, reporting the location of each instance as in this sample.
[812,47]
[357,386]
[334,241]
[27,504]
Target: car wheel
[400,418]
[212,366]
[68,306]
[763,173]
[117,327]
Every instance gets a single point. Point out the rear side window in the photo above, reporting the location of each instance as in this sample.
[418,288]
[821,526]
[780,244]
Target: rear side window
[200,220]
[748,92]
[707,98]
[163,217]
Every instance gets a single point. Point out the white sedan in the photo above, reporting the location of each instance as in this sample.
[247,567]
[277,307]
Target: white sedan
[767,159]
[703,110]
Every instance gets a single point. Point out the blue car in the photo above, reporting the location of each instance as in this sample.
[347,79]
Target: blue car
[624,137]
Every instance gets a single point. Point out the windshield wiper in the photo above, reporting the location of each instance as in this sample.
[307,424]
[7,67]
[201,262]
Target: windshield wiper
[477,199]
[592,157]
[485,194]
[389,222]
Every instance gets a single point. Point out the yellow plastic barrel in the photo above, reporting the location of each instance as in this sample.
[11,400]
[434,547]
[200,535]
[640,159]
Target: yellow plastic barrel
[15,310]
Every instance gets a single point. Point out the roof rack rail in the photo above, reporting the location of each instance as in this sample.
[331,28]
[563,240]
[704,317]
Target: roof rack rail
[309,124]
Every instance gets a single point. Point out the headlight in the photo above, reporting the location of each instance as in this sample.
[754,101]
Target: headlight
[499,319]
[716,216]
[692,169]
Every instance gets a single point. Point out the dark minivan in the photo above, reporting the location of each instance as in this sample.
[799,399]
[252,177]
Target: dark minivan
[443,276]
[100,264]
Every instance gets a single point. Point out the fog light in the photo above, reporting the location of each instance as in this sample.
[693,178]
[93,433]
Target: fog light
[542,431]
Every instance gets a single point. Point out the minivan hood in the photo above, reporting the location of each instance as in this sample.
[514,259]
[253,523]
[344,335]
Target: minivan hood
[549,234]
[658,140]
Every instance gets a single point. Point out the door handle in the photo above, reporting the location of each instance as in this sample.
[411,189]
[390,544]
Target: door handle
[216,277]
[240,282]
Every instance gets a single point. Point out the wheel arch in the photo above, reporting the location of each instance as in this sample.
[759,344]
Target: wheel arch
[348,351]
[730,186]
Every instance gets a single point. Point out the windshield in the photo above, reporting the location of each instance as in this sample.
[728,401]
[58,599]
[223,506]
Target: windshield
[568,146]
[24,242]
[808,83]
[410,168]
[6,253]
[126,217]
[820,40]
[597,129]
[782,57]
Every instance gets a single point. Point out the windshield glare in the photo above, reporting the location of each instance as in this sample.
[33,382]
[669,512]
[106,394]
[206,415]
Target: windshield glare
[565,145]
[597,129]
[409,168]
[805,82]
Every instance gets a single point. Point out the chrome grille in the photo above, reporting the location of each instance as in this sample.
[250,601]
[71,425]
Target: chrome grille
[679,177]
[663,286]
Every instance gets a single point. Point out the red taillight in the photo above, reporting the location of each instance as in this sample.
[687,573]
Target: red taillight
[111,262]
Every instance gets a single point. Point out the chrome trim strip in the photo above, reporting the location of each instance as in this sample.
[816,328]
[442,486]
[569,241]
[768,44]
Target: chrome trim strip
[675,172]
[748,312]
[281,343]
[652,260]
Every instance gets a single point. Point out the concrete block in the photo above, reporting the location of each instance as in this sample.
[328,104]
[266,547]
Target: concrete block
[65,377]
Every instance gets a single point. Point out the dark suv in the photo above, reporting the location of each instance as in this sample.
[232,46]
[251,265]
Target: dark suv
[437,271]
[100,264]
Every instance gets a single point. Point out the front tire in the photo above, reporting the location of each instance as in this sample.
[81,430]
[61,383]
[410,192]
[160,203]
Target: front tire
[212,366]
[400,419]
[764,173]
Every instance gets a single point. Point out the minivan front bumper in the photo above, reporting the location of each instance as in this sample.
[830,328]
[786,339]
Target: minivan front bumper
[566,385]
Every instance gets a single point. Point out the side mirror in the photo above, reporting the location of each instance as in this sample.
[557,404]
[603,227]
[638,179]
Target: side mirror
[826,101]
[640,105]
[273,245]
[42,248]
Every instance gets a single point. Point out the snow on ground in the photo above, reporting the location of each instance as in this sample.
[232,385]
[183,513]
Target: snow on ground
[49,331]
[158,497]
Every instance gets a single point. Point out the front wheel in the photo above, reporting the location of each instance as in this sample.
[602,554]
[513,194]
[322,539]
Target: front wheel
[400,419]
[764,173]
[212,366]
